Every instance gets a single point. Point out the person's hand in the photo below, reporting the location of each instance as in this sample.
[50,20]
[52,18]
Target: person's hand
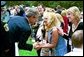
[65,34]
[60,31]
[36,45]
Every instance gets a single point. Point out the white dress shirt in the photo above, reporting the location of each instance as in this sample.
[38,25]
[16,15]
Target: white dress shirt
[75,52]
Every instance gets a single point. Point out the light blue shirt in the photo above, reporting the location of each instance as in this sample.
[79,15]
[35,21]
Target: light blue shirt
[5,17]
[60,48]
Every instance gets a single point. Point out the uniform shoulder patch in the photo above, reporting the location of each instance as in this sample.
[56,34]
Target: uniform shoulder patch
[6,27]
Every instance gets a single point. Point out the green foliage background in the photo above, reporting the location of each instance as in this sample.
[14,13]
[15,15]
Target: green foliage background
[53,4]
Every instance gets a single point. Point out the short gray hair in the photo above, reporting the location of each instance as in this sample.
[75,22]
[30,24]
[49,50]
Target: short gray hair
[32,12]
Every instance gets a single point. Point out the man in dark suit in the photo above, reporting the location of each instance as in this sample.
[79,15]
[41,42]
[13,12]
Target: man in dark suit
[19,29]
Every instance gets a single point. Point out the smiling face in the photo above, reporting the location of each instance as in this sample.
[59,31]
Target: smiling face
[50,19]
[46,18]
[70,16]
[73,14]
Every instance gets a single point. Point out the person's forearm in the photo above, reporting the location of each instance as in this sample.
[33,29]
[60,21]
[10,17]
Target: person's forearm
[47,45]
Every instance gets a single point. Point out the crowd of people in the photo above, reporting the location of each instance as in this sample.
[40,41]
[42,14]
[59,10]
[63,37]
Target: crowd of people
[56,32]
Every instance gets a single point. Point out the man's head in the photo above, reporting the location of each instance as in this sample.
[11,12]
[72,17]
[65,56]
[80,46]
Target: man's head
[4,14]
[41,9]
[3,3]
[3,7]
[77,39]
[32,15]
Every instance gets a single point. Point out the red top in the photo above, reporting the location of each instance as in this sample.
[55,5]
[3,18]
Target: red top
[65,27]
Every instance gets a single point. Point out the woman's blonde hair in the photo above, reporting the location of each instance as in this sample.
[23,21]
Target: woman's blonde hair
[59,17]
[75,11]
[52,19]
[64,12]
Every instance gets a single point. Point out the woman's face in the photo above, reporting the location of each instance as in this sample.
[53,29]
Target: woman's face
[70,16]
[46,20]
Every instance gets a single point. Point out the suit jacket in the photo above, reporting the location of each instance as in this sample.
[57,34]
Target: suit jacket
[19,31]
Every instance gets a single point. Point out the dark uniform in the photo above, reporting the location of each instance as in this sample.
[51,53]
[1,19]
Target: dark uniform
[4,40]
[19,31]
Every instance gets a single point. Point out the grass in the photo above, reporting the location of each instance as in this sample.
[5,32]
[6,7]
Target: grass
[26,52]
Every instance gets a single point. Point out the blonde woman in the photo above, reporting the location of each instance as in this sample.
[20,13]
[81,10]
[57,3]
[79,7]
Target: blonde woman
[54,43]
[73,14]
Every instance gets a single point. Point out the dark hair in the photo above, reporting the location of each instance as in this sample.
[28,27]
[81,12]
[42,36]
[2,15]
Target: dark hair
[77,38]
[21,12]
[42,6]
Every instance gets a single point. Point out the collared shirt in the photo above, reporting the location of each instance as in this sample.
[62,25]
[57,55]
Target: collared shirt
[5,17]
[75,52]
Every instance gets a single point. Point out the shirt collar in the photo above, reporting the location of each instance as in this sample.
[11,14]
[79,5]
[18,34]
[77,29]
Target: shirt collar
[77,50]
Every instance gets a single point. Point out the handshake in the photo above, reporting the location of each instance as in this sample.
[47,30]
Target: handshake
[37,45]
